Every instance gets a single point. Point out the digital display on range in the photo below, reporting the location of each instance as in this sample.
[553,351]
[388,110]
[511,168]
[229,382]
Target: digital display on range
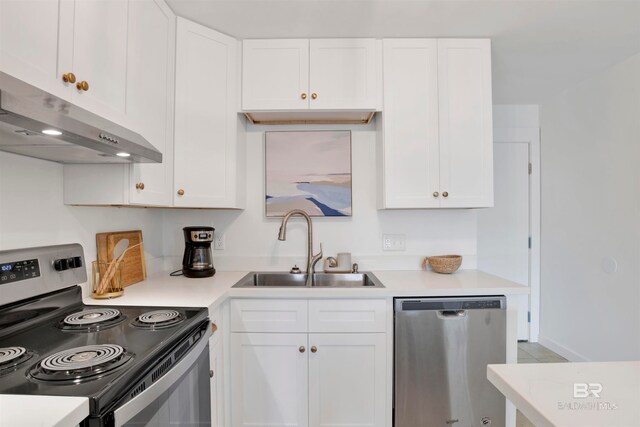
[19,270]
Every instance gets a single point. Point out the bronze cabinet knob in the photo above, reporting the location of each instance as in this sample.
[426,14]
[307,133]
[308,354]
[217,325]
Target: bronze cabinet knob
[83,85]
[181,192]
[211,373]
[303,96]
[445,194]
[214,327]
[301,349]
[140,186]
[69,78]
[436,194]
[314,96]
[314,349]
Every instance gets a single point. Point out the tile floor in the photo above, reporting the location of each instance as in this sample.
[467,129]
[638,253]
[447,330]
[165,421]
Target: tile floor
[531,352]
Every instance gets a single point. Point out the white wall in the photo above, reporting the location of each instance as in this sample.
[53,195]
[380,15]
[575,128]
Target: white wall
[251,239]
[591,217]
[32,212]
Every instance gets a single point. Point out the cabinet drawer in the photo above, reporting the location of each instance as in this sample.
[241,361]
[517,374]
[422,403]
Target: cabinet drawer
[347,316]
[252,315]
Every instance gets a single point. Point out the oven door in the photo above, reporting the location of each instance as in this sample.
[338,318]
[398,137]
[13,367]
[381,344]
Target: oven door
[181,397]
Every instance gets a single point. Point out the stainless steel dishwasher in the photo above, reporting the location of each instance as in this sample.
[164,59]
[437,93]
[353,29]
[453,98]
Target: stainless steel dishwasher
[442,348]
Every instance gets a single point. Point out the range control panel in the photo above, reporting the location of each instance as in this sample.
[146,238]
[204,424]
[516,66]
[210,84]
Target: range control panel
[19,270]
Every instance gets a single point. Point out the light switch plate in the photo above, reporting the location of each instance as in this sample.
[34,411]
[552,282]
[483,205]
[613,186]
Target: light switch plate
[394,242]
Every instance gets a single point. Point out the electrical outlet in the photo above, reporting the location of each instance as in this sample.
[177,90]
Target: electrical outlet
[393,242]
[218,242]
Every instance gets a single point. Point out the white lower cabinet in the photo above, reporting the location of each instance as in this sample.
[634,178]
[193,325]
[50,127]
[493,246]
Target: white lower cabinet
[217,386]
[346,380]
[269,380]
[323,378]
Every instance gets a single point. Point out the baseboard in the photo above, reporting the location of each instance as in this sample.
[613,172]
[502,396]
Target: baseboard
[568,354]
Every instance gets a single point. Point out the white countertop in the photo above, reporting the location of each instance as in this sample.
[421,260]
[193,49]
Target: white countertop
[42,411]
[163,290]
[544,392]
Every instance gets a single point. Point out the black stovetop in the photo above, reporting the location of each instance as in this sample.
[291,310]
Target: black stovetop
[36,325]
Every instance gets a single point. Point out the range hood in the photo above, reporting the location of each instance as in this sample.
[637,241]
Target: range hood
[38,124]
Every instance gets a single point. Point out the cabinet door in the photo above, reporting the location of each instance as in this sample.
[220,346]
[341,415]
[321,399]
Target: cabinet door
[217,390]
[410,157]
[466,134]
[342,74]
[100,56]
[347,380]
[206,118]
[269,380]
[275,74]
[150,82]
[29,43]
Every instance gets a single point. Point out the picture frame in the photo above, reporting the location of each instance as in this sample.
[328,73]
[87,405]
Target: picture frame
[310,171]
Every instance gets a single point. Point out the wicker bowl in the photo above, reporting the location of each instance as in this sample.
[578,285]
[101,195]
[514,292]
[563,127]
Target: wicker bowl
[444,263]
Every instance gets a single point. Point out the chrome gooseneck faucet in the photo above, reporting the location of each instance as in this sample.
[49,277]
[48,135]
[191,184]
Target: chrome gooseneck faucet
[312,259]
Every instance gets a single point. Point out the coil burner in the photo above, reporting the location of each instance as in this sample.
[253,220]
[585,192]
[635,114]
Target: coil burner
[158,319]
[81,363]
[91,320]
[11,357]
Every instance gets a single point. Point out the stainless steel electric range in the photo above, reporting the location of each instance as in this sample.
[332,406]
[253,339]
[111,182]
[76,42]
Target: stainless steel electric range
[136,365]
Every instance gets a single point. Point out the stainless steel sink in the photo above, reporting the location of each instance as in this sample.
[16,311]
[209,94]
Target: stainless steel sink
[320,280]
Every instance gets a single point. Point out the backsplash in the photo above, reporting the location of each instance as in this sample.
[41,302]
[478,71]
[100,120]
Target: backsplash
[251,238]
[32,213]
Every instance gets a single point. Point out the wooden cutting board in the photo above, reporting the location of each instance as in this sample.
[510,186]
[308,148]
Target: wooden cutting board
[134,268]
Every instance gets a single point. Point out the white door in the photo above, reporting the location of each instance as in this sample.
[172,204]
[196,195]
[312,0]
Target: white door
[347,380]
[410,124]
[503,232]
[100,56]
[205,118]
[275,74]
[29,43]
[269,380]
[150,82]
[466,124]
[342,74]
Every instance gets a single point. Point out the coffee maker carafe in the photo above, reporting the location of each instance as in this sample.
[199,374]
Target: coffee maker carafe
[198,260]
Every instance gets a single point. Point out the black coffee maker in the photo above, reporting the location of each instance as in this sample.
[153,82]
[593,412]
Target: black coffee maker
[198,260]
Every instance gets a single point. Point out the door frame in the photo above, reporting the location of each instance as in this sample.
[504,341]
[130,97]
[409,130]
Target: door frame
[530,136]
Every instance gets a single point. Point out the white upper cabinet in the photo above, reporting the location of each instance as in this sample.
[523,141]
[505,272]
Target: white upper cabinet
[29,43]
[76,50]
[99,54]
[436,138]
[150,83]
[342,74]
[466,123]
[318,74]
[410,126]
[275,74]
[207,150]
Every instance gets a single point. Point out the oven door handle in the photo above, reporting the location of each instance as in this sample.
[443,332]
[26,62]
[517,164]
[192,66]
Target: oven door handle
[142,400]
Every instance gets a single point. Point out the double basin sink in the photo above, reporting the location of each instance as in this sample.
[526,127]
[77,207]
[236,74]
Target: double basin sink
[319,280]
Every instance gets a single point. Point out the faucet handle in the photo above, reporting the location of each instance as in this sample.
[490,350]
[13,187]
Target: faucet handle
[314,260]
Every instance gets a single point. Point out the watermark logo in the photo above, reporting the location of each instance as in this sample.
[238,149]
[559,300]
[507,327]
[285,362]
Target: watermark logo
[584,390]
[590,391]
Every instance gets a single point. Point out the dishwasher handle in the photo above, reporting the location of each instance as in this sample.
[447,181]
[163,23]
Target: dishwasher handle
[451,314]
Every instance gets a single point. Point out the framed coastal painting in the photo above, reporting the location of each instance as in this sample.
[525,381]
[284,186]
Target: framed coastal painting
[309,170]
